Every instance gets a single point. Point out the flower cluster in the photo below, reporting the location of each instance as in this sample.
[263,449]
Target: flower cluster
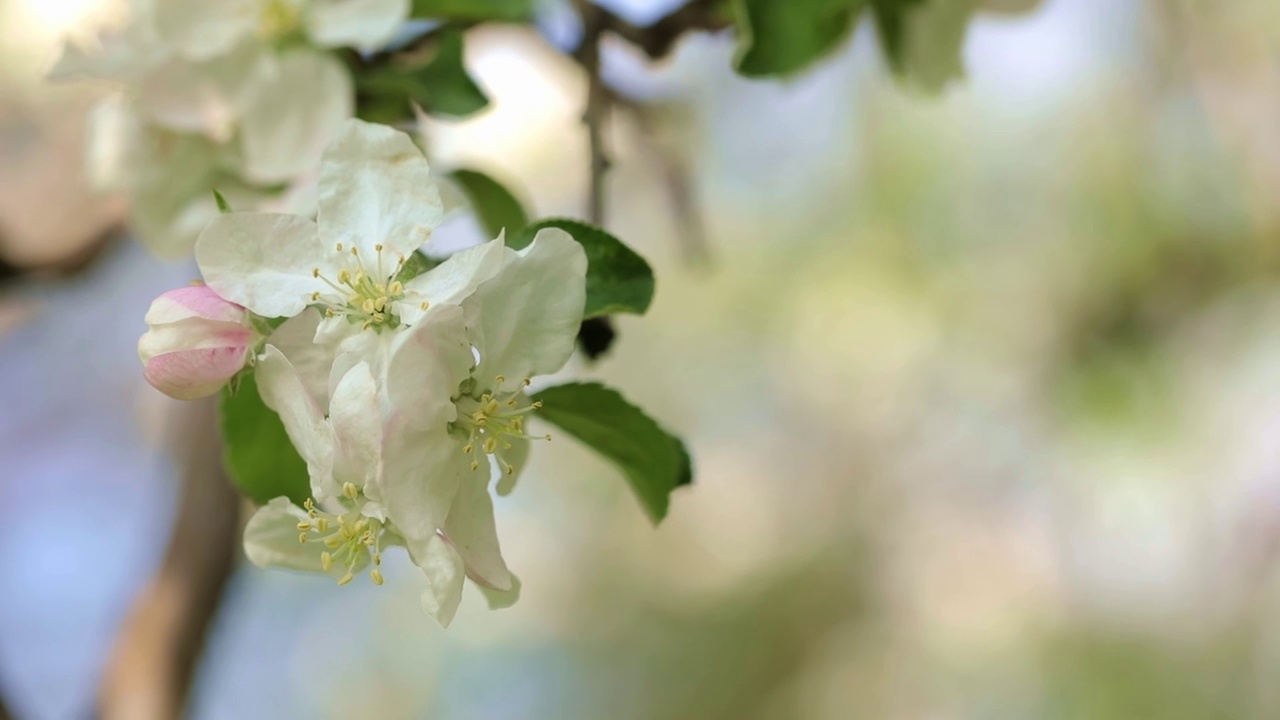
[241,95]
[404,395]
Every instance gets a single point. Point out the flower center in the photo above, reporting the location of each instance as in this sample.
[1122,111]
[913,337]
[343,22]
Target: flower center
[349,538]
[363,294]
[491,420]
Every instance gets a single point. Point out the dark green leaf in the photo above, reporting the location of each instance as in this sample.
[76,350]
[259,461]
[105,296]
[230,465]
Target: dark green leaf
[223,206]
[441,86]
[495,207]
[506,10]
[618,280]
[258,454]
[654,461]
[780,37]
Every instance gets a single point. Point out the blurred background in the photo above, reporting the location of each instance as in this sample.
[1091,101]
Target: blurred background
[983,392]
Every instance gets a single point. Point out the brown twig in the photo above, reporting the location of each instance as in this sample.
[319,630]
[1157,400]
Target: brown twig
[4,710]
[588,55]
[659,39]
[155,655]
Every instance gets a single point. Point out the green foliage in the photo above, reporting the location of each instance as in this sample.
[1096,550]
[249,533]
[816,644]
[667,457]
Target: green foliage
[654,461]
[223,205]
[495,207]
[416,264]
[891,25]
[922,40]
[503,10]
[259,455]
[441,86]
[780,37]
[618,279]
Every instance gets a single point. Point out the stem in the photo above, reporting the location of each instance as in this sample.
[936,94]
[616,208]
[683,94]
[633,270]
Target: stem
[588,54]
[154,659]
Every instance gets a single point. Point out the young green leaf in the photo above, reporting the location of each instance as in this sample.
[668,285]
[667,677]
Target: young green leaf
[495,207]
[505,10]
[441,86]
[618,280]
[654,461]
[258,455]
[223,205]
[781,37]
[416,264]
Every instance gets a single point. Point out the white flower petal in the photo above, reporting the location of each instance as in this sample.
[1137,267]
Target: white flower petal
[422,463]
[501,599]
[203,29]
[471,529]
[444,570]
[282,390]
[271,540]
[524,320]
[263,261]
[294,338]
[199,97]
[290,114]
[355,414]
[376,187]
[365,25]
[453,280]
[517,456]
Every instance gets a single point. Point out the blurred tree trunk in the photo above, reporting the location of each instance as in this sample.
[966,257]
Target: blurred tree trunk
[152,664]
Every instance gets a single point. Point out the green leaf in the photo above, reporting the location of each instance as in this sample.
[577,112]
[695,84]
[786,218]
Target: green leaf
[892,26]
[505,10]
[781,37]
[441,86]
[654,461]
[223,205]
[415,265]
[495,207]
[259,456]
[618,280]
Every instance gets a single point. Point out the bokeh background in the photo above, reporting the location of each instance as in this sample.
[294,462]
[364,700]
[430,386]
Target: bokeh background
[983,391]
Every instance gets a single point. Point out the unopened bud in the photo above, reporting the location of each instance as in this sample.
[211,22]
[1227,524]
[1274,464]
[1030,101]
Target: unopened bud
[196,341]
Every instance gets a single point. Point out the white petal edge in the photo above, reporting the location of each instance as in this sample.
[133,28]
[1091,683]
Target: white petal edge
[282,390]
[525,319]
[365,25]
[263,261]
[445,572]
[376,188]
[473,532]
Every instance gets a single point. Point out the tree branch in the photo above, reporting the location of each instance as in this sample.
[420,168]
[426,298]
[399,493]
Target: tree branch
[659,39]
[588,55]
[155,656]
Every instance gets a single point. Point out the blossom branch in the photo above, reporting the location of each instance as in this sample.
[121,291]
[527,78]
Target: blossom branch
[154,659]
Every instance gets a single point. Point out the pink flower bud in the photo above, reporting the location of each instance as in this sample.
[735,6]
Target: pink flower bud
[196,342]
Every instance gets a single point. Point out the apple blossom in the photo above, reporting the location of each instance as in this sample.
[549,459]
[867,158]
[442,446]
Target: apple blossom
[195,343]
[377,204]
[402,459]
[356,448]
[253,84]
